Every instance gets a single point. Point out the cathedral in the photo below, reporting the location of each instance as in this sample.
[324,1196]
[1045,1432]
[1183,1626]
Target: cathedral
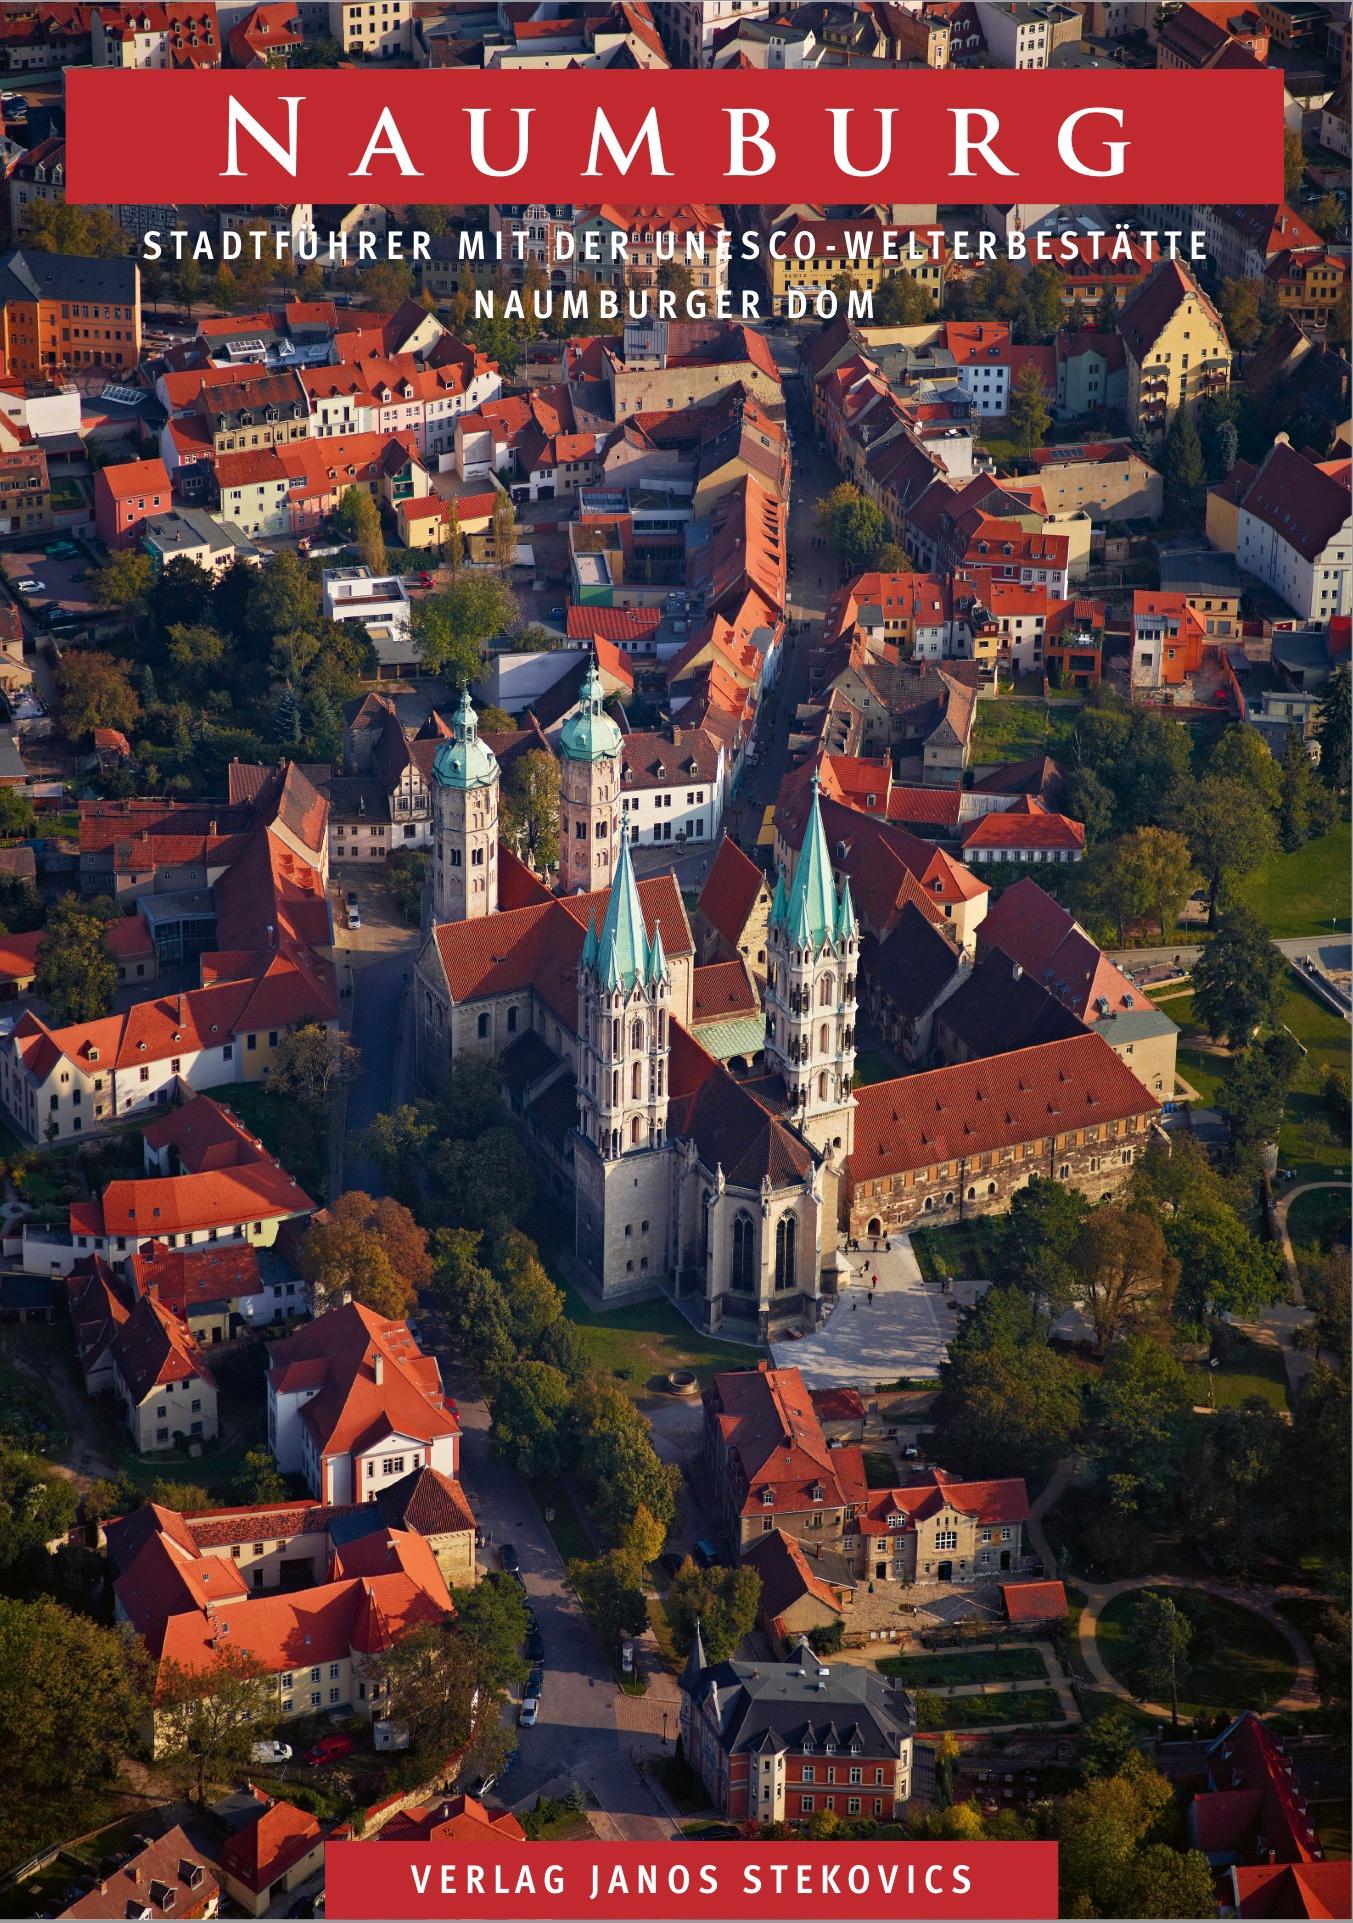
[714,1180]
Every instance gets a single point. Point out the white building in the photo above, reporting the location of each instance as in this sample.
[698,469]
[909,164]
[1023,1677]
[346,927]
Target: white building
[1294,533]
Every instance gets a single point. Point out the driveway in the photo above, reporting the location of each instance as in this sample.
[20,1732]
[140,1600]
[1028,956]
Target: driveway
[374,963]
[903,1331]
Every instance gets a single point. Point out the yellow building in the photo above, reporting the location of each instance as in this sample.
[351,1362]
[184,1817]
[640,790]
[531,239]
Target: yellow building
[867,253]
[1311,283]
[1176,348]
[165,1390]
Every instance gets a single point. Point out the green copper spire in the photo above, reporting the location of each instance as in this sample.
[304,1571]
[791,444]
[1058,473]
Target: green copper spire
[590,734]
[845,913]
[777,900]
[657,960]
[622,946]
[464,761]
[588,959]
[811,911]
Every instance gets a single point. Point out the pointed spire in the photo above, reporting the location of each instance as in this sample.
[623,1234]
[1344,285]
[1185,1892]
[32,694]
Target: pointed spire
[777,900]
[588,959]
[811,911]
[623,958]
[657,960]
[466,721]
[695,1662]
[845,913]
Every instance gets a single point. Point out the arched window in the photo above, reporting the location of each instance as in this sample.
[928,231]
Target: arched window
[636,1080]
[824,1038]
[636,1035]
[822,1087]
[634,1131]
[743,1273]
[786,1231]
[826,991]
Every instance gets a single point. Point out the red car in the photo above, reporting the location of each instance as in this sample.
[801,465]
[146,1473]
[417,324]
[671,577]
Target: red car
[328,1749]
[425,580]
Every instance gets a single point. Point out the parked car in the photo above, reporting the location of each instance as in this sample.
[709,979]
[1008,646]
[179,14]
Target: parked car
[270,1752]
[30,586]
[354,908]
[535,1682]
[508,1559]
[706,1553]
[911,1453]
[481,1785]
[530,1709]
[425,580]
[535,1647]
[329,1749]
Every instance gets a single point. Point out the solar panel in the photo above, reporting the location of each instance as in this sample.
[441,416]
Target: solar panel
[249,349]
[126,396]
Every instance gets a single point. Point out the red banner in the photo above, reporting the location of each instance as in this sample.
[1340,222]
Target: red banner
[741,1881]
[461,136]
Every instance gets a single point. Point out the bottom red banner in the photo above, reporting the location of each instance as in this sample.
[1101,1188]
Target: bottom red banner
[539,1883]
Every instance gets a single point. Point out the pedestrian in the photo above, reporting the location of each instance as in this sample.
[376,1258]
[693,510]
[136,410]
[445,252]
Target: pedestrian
[871,1298]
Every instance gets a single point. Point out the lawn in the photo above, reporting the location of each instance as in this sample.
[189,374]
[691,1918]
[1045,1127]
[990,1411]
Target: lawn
[286,1130]
[1302,893]
[1312,1141]
[1007,1708]
[561,1519]
[880,1471]
[651,1339]
[1014,730]
[872,1065]
[1237,1660]
[942,1670]
[1320,1219]
[1251,1369]
[968,1250]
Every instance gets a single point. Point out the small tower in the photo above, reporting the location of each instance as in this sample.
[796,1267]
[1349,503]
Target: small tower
[589,792]
[813,951]
[624,1006]
[464,822]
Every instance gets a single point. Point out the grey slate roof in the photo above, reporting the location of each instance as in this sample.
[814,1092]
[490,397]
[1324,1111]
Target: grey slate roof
[27,274]
[783,1705]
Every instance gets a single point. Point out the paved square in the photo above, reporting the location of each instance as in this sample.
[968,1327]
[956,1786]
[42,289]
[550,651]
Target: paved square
[905,1332]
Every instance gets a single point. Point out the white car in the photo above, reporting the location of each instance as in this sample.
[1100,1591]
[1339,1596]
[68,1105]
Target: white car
[527,1714]
[32,587]
[272,1752]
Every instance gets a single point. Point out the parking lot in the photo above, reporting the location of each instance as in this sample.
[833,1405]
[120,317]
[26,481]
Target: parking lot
[64,577]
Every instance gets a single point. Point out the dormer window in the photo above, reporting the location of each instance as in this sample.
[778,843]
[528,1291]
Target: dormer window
[767,1498]
[895,1520]
[816,1492]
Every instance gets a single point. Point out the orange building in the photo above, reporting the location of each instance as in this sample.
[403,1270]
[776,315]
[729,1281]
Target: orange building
[60,312]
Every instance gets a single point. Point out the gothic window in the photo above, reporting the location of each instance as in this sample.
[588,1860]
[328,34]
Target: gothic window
[744,1245]
[636,1035]
[826,990]
[634,1131]
[636,1081]
[786,1230]
[824,1038]
[822,1087]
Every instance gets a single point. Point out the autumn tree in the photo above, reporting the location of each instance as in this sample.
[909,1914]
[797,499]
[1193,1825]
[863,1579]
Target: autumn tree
[310,1064]
[530,812]
[208,1719]
[95,691]
[1294,161]
[1125,1276]
[503,533]
[367,1250]
[1238,305]
[75,977]
[902,301]
[1107,1864]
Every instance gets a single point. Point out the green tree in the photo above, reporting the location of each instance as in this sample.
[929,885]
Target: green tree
[452,626]
[209,1717]
[257,1479]
[1105,318]
[503,533]
[397,1142]
[531,1416]
[1241,754]
[492,1620]
[852,526]
[892,558]
[1302,811]
[1334,730]
[1238,304]
[310,1064]
[901,301]
[17,816]
[197,657]
[1042,309]
[360,517]
[1161,1636]
[74,976]
[1229,829]
[1182,467]
[123,583]
[996,291]
[1036,1240]
[1238,1501]
[1008,1402]
[611,1591]
[1294,162]
[530,815]
[1253,1093]
[453,540]
[1224,1269]
[1327,216]
[1030,416]
[1141,1409]
[1086,799]
[1239,979]
[723,1601]
[617,1461]
[188,282]
[95,692]
[1143,876]
[1125,1276]
[1108,1741]
[280,597]
[677,278]
[1106,1858]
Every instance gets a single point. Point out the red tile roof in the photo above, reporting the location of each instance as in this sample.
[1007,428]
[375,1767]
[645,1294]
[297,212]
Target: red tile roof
[455,1819]
[167,1877]
[1294,1889]
[951,1114]
[722,991]
[730,891]
[767,1423]
[222,1198]
[1051,945]
[1033,827]
[1033,1602]
[135,477]
[186,1281]
[153,1347]
[341,1351]
[266,1850]
[1006,1500]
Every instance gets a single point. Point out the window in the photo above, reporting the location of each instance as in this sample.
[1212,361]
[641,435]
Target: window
[742,1279]
[786,1231]
[946,1539]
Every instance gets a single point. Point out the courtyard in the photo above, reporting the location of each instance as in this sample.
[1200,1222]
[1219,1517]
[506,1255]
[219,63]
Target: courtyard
[902,1334]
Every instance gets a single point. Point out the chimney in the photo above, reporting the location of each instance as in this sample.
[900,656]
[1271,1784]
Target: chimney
[378,1367]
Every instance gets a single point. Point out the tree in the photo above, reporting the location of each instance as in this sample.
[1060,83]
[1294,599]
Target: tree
[677,278]
[358,514]
[311,1063]
[531,809]
[1030,416]
[1241,754]
[74,975]
[1182,467]
[1229,829]
[1325,1286]
[1036,1239]
[1086,799]
[996,291]
[1141,1410]
[852,526]
[611,1591]
[209,1718]
[427,1681]
[1042,308]
[1224,1269]
[95,692]
[1108,1741]
[1222,450]
[503,533]
[531,1413]
[617,1461]
[1125,1276]
[281,597]
[723,1601]
[1145,875]
[453,539]
[1327,217]
[491,1618]
[892,558]
[367,1250]
[1334,730]
[452,626]
[1253,1093]
[1104,1859]
[17,816]
[1007,1401]
[71,1696]
[901,301]
[1105,317]
[1161,1634]
[1294,162]
[397,1142]
[58,228]
[188,282]
[1238,304]
[257,1479]
[1238,1501]
[1239,979]
[1303,810]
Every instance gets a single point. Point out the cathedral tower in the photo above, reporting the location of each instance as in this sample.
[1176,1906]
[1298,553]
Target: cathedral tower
[464,822]
[589,793]
[813,951]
